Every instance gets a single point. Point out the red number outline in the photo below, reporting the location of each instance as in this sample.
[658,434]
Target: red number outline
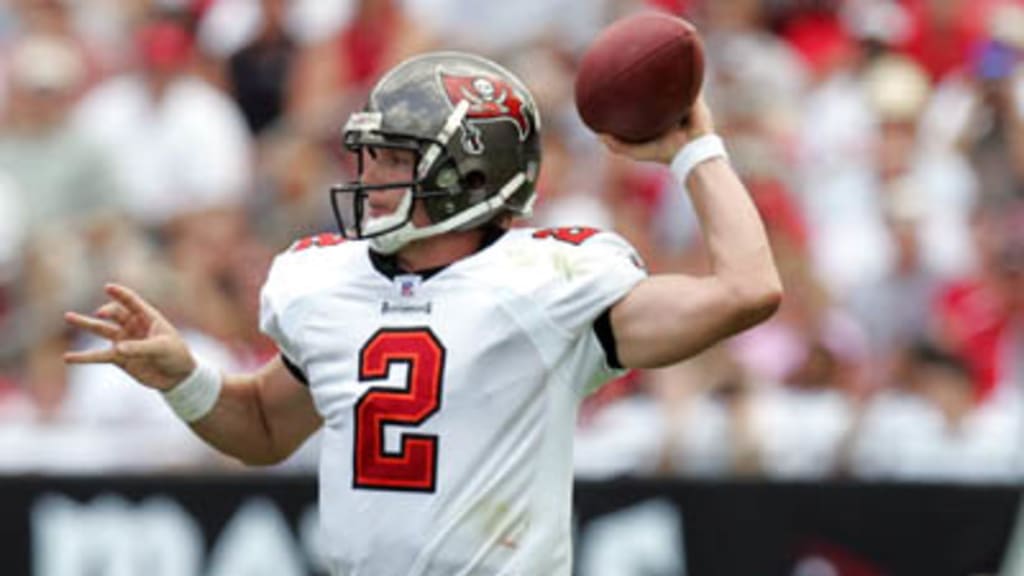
[574,235]
[414,467]
[323,240]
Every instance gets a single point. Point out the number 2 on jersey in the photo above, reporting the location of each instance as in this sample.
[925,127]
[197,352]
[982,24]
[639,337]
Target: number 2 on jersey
[414,466]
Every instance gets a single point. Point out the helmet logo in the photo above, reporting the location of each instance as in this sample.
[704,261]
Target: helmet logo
[490,100]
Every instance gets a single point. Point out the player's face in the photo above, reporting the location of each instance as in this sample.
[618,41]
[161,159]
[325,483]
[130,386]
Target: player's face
[383,165]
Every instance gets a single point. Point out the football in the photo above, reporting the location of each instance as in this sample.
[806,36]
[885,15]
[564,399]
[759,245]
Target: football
[640,76]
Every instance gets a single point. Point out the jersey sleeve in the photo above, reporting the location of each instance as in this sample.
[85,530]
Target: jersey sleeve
[294,277]
[590,277]
[274,299]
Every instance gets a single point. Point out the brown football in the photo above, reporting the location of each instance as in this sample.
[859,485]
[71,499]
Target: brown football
[640,76]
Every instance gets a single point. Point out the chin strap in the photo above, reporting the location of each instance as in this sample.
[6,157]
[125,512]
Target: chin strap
[392,221]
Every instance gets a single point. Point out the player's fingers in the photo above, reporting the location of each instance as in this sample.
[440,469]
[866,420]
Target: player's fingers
[618,145]
[113,311]
[133,325]
[103,356]
[143,348]
[612,143]
[132,301]
[698,120]
[103,329]
[643,151]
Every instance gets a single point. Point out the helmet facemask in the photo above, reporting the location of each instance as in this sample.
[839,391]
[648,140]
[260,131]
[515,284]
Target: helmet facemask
[434,175]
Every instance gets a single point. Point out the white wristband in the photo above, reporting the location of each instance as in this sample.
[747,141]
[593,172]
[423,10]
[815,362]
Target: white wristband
[702,149]
[196,395]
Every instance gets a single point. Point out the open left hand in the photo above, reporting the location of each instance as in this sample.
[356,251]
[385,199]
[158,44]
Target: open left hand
[143,343]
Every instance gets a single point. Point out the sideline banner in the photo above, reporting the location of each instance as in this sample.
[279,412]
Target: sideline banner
[789,529]
[268,525]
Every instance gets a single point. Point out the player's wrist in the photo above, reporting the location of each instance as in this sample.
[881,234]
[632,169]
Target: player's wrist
[196,395]
[695,152]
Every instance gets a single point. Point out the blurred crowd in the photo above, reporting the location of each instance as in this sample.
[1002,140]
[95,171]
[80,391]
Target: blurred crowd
[177,145]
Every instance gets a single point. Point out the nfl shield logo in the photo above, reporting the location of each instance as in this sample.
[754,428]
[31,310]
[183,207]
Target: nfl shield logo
[407,285]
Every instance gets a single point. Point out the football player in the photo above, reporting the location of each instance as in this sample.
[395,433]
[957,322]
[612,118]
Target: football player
[442,351]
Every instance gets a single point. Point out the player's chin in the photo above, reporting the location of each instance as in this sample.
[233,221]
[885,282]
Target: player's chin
[376,213]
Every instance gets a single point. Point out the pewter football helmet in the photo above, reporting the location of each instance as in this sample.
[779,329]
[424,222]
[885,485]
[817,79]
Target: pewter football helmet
[474,130]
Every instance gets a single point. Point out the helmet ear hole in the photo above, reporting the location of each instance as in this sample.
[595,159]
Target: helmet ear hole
[475,180]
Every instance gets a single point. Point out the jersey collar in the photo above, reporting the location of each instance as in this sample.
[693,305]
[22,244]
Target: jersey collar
[388,266]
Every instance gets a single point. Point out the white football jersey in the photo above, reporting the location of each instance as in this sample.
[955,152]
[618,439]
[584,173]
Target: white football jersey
[449,400]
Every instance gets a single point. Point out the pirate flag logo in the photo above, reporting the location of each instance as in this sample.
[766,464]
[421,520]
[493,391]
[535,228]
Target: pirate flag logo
[490,100]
